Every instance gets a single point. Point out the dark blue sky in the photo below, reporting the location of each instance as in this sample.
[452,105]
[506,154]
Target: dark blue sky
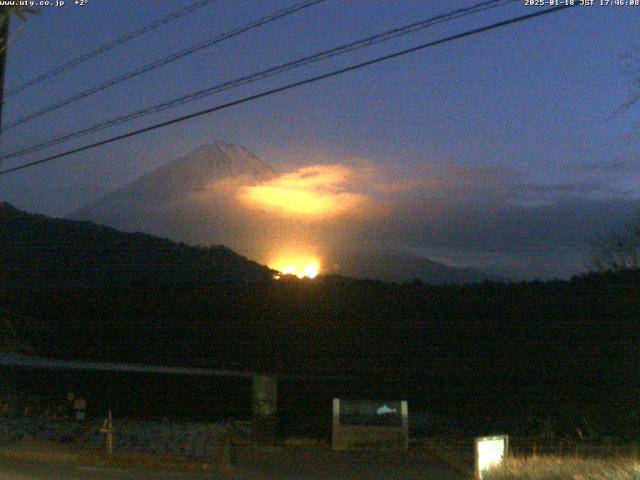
[521,126]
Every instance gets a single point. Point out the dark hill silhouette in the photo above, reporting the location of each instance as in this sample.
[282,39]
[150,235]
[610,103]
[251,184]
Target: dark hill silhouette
[36,250]
[15,329]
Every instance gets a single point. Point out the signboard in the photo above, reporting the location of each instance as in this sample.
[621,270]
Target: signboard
[490,452]
[371,413]
[370,424]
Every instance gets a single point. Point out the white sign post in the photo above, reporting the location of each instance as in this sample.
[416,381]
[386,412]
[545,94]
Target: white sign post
[490,452]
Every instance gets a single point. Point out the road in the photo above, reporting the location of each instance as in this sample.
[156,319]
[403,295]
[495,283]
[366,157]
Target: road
[11,469]
[282,464]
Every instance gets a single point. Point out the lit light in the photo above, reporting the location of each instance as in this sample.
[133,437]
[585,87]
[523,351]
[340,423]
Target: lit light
[301,268]
[490,452]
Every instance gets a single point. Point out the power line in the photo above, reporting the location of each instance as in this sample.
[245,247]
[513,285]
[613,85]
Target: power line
[164,61]
[290,86]
[4,43]
[111,45]
[261,75]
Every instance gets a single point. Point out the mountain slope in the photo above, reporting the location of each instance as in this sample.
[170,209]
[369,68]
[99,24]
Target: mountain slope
[398,266]
[185,201]
[39,251]
[168,186]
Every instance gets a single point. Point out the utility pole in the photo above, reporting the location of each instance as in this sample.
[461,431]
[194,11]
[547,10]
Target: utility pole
[107,428]
[4,43]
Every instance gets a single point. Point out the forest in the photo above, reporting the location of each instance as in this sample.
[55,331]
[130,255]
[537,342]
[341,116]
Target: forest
[563,348]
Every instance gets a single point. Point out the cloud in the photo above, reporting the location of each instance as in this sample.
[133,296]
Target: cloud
[629,163]
[490,217]
[535,194]
[519,241]
[314,191]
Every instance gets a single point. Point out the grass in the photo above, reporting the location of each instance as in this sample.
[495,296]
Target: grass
[565,468]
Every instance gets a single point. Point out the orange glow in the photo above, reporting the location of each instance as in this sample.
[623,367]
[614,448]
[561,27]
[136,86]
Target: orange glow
[314,191]
[291,200]
[300,267]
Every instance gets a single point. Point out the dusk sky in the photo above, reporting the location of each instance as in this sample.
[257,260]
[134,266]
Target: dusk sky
[507,151]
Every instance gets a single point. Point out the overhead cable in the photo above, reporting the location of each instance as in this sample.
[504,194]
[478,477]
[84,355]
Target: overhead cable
[290,86]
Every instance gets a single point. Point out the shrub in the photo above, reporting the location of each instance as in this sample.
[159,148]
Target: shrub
[565,468]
